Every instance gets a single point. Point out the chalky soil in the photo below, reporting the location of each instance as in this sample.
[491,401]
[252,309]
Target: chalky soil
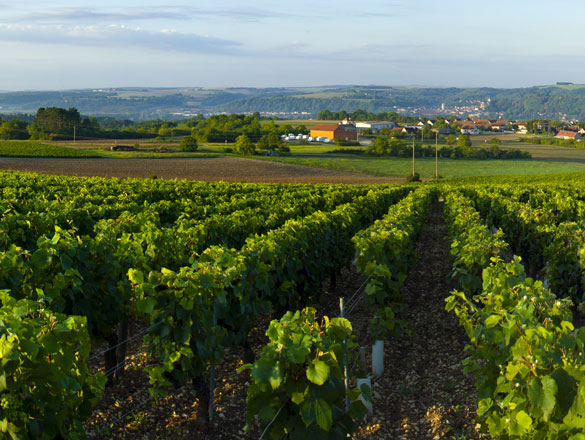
[423,393]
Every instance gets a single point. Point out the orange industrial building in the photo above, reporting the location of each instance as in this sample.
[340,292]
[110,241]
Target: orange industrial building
[344,132]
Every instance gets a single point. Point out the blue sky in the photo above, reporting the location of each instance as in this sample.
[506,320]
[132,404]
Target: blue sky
[66,45]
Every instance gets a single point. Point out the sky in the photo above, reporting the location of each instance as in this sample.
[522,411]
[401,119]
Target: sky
[61,45]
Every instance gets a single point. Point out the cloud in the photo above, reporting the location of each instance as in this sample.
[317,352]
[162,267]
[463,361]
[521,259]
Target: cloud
[234,13]
[117,36]
[180,13]
[93,15]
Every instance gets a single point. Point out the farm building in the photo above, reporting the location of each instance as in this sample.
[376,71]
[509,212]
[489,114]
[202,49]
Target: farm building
[345,132]
[122,148]
[375,126]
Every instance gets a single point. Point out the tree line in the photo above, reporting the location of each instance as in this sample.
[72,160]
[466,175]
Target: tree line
[55,123]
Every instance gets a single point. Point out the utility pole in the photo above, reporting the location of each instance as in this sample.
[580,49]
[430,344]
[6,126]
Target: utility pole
[413,155]
[436,155]
[74,133]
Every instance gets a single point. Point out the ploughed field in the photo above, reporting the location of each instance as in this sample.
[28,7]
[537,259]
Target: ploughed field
[144,308]
[228,169]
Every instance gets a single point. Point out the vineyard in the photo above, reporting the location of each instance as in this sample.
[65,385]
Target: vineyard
[102,278]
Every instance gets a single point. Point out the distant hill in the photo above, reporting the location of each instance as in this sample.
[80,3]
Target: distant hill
[563,101]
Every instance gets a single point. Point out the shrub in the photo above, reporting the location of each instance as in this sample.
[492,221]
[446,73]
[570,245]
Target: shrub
[243,145]
[413,178]
[188,143]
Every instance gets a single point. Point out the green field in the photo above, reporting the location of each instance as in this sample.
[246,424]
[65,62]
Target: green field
[35,149]
[94,149]
[426,166]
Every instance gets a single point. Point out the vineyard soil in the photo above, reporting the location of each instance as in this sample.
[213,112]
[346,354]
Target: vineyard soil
[423,393]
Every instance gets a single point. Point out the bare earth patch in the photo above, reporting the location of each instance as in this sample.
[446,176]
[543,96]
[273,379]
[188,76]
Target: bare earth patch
[229,169]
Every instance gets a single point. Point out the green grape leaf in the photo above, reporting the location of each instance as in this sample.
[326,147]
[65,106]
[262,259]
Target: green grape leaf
[268,371]
[318,372]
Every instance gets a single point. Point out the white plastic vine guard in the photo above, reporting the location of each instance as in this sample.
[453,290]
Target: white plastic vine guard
[378,358]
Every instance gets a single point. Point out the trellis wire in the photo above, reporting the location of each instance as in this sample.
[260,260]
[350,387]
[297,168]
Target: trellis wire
[350,305]
[131,338]
[127,360]
[271,422]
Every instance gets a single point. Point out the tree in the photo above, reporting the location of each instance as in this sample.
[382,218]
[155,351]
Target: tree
[464,141]
[379,147]
[5,131]
[57,120]
[397,146]
[495,141]
[263,143]
[13,129]
[188,143]
[324,115]
[243,145]
[270,141]
[37,131]
[450,140]
[274,140]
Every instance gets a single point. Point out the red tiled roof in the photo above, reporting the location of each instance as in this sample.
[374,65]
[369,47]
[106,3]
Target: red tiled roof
[325,127]
[567,133]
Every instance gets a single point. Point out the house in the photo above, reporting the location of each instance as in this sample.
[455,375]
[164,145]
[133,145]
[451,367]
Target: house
[470,130]
[521,127]
[409,130]
[498,125]
[469,127]
[566,134]
[374,126]
[482,124]
[346,132]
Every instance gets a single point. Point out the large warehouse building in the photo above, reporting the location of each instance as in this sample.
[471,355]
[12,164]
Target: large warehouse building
[344,132]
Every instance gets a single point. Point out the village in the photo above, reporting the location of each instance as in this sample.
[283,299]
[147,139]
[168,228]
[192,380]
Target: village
[351,131]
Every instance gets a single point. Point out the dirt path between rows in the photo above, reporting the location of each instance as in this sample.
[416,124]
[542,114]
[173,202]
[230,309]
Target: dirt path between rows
[426,394]
[229,169]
